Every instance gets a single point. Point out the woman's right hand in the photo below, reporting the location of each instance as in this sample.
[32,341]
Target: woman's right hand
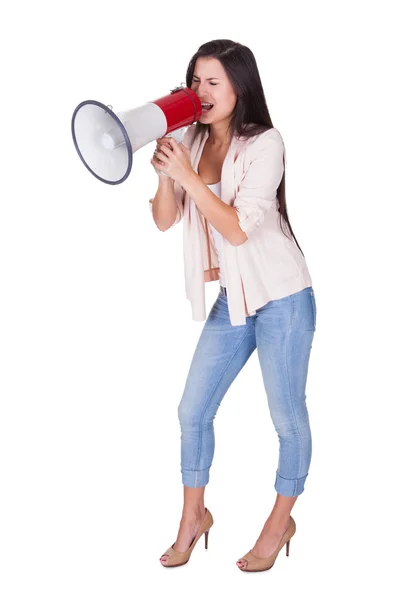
[156,161]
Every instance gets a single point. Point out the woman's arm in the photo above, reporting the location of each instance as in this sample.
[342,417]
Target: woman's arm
[164,205]
[256,195]
[222,216]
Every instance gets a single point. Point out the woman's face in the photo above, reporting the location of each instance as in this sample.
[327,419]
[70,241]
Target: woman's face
[211,84]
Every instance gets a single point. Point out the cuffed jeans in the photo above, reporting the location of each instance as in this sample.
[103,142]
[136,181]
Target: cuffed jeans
[282,331]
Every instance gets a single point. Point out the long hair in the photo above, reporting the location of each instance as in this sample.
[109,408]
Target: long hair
[250,115]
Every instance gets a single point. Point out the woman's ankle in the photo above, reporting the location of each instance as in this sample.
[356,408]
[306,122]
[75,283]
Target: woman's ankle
[193,513]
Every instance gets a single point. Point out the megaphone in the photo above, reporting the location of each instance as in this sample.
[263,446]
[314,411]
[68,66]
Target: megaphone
[106,141]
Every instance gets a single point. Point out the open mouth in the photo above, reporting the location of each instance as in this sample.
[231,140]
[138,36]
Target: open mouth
[206,106]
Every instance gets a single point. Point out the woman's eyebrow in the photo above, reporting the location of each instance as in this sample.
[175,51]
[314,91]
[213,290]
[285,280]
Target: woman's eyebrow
[208,78]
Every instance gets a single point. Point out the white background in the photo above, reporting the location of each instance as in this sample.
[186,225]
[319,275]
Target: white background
[97,335]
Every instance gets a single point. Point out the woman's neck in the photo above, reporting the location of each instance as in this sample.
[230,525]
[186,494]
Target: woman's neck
[218,136]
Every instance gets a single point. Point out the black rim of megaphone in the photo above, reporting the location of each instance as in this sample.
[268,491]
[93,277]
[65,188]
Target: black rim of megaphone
[119,122]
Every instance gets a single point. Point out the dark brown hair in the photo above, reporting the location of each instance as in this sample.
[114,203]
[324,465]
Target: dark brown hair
[250,115]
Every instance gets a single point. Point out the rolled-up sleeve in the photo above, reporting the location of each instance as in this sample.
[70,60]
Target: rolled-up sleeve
[257,190]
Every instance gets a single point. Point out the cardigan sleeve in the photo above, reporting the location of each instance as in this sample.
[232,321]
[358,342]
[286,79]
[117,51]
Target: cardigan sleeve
[257,190]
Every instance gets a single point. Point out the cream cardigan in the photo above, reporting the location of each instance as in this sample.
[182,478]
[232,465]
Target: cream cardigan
[269,265]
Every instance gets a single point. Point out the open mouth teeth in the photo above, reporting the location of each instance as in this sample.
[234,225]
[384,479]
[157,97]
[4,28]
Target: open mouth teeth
[206,105]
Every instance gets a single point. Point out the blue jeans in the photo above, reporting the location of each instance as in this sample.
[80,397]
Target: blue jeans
[282,331]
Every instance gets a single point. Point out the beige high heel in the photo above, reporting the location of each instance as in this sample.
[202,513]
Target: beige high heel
[255,563]
[175,558]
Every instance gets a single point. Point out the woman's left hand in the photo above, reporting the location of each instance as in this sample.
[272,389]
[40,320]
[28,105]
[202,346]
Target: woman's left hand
[175,163]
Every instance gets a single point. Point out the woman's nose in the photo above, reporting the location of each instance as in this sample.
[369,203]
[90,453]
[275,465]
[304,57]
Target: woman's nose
[201,91]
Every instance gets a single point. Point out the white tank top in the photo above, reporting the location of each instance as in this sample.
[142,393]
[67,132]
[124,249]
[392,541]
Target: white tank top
[216,189]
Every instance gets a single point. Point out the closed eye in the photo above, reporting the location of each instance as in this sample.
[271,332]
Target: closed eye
[195,81]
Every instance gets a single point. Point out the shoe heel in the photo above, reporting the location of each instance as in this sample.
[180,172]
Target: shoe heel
[206,539]
[287,547]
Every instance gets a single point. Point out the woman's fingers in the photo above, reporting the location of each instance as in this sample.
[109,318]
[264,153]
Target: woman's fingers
[164,140]
[157,166]
[159,151]
[158,156]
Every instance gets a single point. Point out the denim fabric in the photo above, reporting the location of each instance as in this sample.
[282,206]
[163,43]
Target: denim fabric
[282,331]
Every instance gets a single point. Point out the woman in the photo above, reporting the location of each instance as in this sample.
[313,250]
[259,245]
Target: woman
[226,181]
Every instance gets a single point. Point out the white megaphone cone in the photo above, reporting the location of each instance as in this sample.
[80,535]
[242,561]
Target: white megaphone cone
[105,141]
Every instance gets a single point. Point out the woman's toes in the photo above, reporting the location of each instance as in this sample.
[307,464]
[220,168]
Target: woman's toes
[164,558]
[241,563]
